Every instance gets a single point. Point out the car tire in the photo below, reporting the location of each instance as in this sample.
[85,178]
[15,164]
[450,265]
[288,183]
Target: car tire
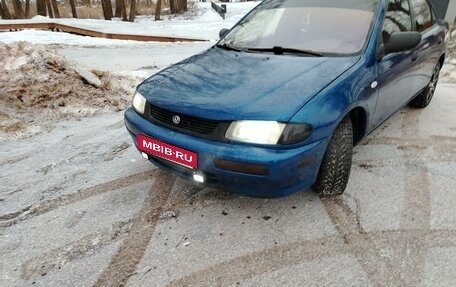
[424,98]
[335,168]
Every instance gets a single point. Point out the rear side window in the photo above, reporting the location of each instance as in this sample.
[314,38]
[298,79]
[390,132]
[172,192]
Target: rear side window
[423,15]
[397,18]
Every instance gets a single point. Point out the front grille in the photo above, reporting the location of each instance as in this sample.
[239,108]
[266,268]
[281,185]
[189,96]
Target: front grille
[189,123]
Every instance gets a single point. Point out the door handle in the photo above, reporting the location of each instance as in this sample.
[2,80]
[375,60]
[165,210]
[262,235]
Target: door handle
[414,56]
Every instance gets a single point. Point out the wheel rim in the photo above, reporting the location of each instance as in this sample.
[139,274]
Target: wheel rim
[433,84]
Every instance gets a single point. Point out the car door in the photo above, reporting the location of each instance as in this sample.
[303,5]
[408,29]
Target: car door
[395,69]
[428,52]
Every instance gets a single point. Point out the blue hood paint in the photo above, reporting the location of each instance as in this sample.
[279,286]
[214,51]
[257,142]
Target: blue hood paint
[226,85]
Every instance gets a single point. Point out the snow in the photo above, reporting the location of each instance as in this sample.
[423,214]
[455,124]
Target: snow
[38,86]
[15,63]
[200,23]
[50,37]
[204,23]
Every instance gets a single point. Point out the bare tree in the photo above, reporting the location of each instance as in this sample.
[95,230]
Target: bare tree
[27,9]
[178,6]
[132,10]
[4,12]
[107,9]
[18,12]
[158,10]
[49,8]
[121,10]
[73,9]
[41,7]
[118,10]
[124,10]
[55,8]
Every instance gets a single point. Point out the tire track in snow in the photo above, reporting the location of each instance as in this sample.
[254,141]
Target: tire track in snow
[416,213]
[33,211]
[130,253]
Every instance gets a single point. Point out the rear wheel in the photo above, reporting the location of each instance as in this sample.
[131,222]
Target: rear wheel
[336,165]
[423,99]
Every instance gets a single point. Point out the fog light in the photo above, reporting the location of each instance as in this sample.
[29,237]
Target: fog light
[145,155]
[198,177]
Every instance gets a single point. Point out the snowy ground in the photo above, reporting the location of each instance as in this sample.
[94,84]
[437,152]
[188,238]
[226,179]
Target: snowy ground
[80,207]
[201,23]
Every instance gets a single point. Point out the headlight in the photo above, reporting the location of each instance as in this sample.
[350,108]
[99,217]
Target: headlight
[294,133]
[259,132]
[139,103]
[268,132]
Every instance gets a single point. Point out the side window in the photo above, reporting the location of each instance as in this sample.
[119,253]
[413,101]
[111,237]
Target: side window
[397,18]
[423,15]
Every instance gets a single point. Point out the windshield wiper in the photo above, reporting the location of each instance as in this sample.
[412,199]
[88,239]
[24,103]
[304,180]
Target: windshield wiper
[229,47]
[280,50]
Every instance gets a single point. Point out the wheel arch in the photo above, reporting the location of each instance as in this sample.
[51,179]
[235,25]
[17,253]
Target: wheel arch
[442,60]
[358,117]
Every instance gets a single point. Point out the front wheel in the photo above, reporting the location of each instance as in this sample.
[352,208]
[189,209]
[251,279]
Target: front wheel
[336,165]
[423,99]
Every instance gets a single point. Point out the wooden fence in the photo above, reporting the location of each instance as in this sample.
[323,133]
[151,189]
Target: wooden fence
[92,33]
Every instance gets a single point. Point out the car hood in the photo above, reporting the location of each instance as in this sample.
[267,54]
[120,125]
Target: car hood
[227,85]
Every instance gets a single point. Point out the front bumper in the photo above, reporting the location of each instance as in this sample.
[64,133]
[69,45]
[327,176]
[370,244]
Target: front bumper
[289,170]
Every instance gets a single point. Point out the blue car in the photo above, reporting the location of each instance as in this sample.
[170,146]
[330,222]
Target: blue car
[277,105]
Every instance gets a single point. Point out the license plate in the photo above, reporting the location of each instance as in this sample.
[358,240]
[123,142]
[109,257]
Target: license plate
[166,151]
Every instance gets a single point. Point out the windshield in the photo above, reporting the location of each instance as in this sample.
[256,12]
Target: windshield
[318,26]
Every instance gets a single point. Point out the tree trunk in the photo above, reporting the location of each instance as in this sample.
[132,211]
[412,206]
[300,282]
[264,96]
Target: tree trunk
[118,10]
[27,9]
[4,12]
[41,7]
[121,10]
[124,10]
[49,8]
[109,5]
[55,8]
[18,12]
[107,9]
[132,10]
[158,10]
[73,9]
[172,6]
[178,6]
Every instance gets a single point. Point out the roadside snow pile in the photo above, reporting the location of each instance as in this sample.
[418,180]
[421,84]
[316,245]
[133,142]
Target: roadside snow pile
[37,83]
[448,73]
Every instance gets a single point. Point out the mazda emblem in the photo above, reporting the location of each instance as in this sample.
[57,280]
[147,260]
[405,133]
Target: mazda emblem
[176,119]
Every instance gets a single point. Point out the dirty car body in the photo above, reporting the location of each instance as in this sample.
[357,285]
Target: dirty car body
[255,113]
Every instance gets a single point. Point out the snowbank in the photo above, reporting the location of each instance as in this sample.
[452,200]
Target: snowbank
[37,84]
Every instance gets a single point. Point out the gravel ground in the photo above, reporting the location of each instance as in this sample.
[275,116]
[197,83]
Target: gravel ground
[80,207]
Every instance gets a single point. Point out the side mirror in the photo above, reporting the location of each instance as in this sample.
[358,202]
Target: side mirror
[223,32]
[400,42]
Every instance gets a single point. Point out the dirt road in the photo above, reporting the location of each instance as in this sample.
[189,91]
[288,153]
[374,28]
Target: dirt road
[80,207]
